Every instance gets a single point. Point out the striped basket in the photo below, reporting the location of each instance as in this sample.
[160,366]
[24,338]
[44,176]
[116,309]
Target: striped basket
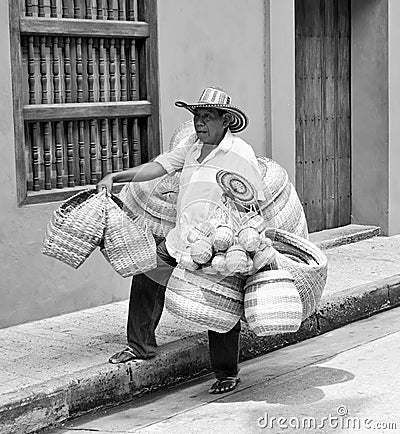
[128,244]
[76,228]
[272,303]
[306,263]
[209,300]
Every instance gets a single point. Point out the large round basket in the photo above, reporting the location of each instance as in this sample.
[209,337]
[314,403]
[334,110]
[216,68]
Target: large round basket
[128,243]
[185,131]
[158,210]
[209,300]
[76,228]
[272,303]
[306,263]
[282,208]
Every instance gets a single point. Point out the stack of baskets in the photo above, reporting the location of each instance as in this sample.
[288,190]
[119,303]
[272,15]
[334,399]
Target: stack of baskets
[274,301]
[89,220]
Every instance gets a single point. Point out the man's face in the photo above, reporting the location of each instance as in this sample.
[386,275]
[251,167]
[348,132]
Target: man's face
[210,125]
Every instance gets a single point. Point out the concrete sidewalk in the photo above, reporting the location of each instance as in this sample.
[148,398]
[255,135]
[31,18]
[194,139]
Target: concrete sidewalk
[326,384]
[56,368]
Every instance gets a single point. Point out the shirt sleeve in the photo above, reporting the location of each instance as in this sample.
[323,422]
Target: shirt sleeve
[174,160]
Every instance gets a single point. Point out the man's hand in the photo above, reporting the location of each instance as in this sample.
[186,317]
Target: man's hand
[107,183]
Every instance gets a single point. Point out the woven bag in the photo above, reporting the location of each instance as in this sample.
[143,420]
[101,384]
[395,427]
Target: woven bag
[76,228]
[306,263]
[128,244]
[209,300]
[272,303]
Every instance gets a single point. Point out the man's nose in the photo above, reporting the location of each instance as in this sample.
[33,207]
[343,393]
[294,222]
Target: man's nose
[199,121]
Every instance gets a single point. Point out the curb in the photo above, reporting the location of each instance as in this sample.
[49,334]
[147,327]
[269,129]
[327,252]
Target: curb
[344,235]
[50,404]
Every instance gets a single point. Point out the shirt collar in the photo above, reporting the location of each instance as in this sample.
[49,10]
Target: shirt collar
[225,144]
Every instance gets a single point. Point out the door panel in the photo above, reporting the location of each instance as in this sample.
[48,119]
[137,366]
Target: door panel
[323,148]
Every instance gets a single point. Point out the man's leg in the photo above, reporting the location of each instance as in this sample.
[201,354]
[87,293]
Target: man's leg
[145,308]
[224,355]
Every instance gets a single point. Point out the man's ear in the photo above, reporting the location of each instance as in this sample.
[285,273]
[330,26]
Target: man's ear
[227,119]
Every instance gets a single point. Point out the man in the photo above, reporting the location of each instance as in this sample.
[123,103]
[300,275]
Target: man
[216,148]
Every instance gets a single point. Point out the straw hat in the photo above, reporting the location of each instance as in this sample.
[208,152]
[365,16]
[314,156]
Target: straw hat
[213,97]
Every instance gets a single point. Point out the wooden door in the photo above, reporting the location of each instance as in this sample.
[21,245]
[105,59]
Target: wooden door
[323,147]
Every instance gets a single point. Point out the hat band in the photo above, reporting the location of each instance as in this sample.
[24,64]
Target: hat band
[239,119]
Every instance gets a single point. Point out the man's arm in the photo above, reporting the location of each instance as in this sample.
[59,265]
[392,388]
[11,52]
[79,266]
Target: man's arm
[144,172]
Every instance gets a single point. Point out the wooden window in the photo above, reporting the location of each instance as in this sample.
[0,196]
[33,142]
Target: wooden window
[85,92]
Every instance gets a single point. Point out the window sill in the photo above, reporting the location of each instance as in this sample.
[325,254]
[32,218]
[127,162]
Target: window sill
[60,195]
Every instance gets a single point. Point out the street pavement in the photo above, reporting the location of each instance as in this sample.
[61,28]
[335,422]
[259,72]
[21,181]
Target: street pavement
[344,381]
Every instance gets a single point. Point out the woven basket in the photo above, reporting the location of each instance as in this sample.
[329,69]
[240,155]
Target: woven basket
[282,208]
[219,263]
[249,238]
[224,237]
[264,257]
[76,228]
[128,244]
[185,131]
[159,224]
[306,263]
[205,299]
[236,259]
[272,303]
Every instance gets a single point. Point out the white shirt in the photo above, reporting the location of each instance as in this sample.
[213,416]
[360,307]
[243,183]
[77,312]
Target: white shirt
[199,192]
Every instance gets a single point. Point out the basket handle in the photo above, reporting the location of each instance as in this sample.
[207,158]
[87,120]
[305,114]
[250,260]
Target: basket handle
[120,204]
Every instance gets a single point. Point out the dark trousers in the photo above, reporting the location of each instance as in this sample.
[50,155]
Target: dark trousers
[145,308]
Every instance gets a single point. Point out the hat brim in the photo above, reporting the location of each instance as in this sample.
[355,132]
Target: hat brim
[239,119]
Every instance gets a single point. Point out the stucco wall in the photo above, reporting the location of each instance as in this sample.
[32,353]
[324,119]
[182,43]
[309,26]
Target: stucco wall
[208,42]
[394,117]
[369,84]
[283,96]
[31,285]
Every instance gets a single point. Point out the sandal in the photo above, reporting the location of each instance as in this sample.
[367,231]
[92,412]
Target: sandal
[224,385]
[124,356]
